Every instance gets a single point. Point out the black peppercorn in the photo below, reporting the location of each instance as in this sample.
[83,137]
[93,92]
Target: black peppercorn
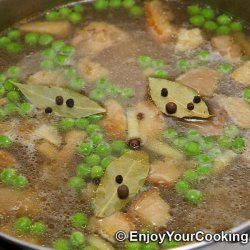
[59,100]
[164,92]
[190,106]
[134,143]
[119,179]
[197,99]
[171,108]
[70,103]
[140,116]
[123,192]
[48,110]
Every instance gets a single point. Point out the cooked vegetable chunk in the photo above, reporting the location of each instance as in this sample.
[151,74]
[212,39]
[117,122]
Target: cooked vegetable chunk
[6,159]
[242,74]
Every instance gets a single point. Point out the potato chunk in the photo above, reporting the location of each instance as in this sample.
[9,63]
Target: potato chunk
[227,47]
[165,173]
[48,78]
[96,37]
[60,29]
[202,79]
[242,74]
[159,21]
[115,121]
[47,149]
[189,39]
[90,70]
[98,243]
[6,159]
[151,209]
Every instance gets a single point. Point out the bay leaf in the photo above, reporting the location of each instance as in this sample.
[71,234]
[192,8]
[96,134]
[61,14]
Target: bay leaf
[178,93]
[43,97]
[133,167]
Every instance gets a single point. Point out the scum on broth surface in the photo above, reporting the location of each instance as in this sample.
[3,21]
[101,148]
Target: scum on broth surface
[227,200]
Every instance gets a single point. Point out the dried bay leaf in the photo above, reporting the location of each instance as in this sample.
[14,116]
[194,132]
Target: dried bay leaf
[43,97]
[179,94]
[133,167]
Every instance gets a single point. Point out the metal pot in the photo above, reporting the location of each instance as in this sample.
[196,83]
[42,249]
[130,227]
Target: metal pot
[11,11]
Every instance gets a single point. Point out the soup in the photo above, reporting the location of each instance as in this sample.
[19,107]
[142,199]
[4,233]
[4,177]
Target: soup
[123,116]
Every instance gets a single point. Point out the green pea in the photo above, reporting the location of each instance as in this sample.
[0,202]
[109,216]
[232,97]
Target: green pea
[214,152]
[225,68]
[204,159]
[52,15]
[93,128]
[231,131]
[158,63]
[67,123]
[47,64]
[197,20]
[190,175]
[96,94]
[101,4]
[183,64]
[4,41]
[8,175]
[77,84]
[207,142]
[144,61]
[193,196]
[181,187]
[128,93]
[2,90]
[133,245]
[93,160]
[77,239]
[112,90]
[13,96]
[192,148]
[128,3]
[78,8]
[57,45]
[106,161]
[246,94]
[75,17]
[150,246]
[97,172]
[61,60]
[5,141]
[236,26]
[20,182]
[76,183]
[45,40]
[103,150]
[14,34]
[82,123]
[10,108]
[67,50]
[31,38]
[180,141]
[223,30]
[2,78]
[103,84]
[8,85]
[169,244]
[238,144]
[83,170]
[62,244]
[136,11]
[95,118]
[170,133]
[85,149]
[64,12]
[25,108]
[79,219]
[210,26]
[38,228]
[70,72]
[160,73]
[48,53]
[193,10]
[118,146]
[204,171]
[208,13]
[14,72]
[193,134]
[115,4]
[204,55]
[96,138]
[13,48]
[23,224]
[225,142]
[223,19]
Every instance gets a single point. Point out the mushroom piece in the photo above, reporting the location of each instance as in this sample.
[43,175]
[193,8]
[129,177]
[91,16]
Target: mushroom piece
[48,78]
[90,70]
[96,37]
[47,149]
[165,173]
[151,209]
[237,109]
[6,159]
[189,39]
[98,243]
[242,39]
[60,29]
[242,74]
[202,79]
[227,47]
[108,226]
[115,120]
[159,19]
